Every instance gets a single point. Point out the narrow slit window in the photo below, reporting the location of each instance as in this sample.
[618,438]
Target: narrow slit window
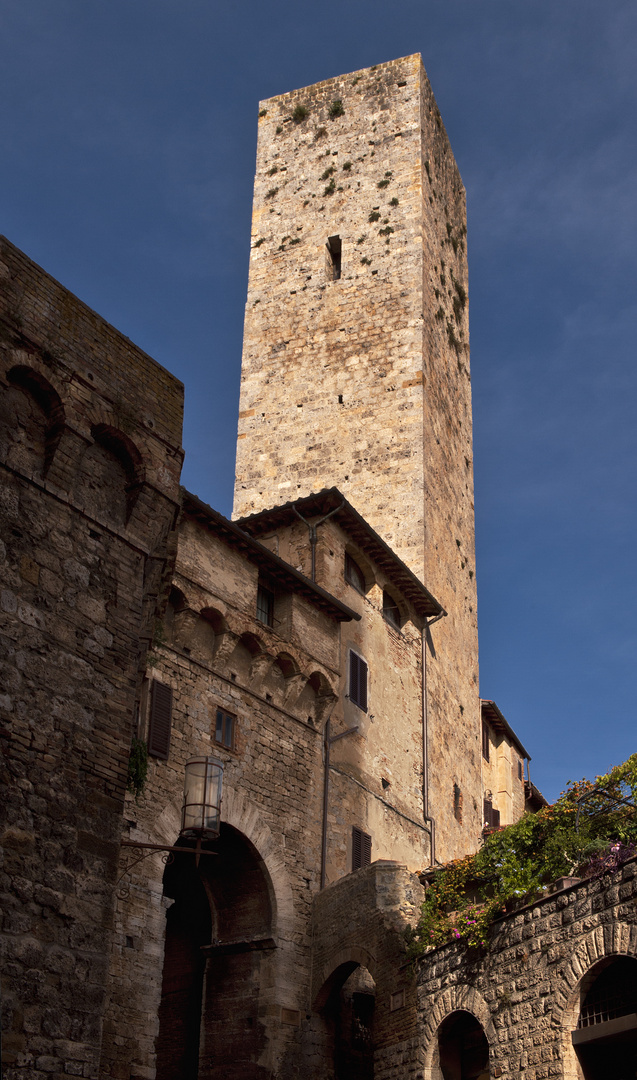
[225,729]
[361,848]
[457,804]
[334,249]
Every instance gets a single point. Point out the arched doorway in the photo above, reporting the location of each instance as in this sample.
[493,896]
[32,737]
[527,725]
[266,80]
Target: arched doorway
[217,957]
[605,1038]
[348,1018]
[463,1049]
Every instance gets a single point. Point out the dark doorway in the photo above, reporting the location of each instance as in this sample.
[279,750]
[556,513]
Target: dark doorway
[349,1013]
[463,1048]
[219,951]
[605,1039]
[188,928]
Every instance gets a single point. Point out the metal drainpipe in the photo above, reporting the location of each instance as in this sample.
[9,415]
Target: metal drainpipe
[312,529]
[425,742]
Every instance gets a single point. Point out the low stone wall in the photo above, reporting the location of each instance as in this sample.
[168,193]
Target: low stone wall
[526,991]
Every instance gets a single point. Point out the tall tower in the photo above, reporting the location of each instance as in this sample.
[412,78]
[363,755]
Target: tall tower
[356,359]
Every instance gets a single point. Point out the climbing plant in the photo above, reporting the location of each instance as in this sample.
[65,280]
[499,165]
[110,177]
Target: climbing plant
[590,830]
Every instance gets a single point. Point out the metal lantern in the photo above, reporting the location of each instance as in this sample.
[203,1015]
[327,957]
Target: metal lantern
[201,814]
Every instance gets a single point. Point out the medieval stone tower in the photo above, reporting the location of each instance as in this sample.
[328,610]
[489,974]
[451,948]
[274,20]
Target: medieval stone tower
[356,361]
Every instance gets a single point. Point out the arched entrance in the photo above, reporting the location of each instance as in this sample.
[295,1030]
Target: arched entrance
[216,964]
[605,1039]
[463,1049]
[348,1017]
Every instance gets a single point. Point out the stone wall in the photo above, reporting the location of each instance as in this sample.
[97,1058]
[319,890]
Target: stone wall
[362,381]
[90,455]
[526,991]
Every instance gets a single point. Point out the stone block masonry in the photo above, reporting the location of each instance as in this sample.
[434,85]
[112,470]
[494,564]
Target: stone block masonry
[90,453]
[526,992]
[355,368]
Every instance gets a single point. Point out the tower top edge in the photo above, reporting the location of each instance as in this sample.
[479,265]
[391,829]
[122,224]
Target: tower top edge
[414,58]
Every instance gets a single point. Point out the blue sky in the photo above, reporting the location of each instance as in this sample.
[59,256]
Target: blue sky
[128,134]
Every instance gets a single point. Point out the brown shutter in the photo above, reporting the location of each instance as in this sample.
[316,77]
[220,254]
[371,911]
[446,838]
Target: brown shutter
[159,719]
[361,848]
[488,810]
[358,680]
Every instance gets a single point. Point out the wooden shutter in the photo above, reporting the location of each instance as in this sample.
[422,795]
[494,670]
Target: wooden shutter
[159,719]
[358,681]
[361,848]
[491,816]
[485,741]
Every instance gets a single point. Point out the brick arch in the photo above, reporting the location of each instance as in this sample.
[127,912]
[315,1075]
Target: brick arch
[460,998]
[337,966]
[247,818]
[603,943]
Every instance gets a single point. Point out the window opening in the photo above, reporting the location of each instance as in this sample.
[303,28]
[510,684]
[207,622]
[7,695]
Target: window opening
[333,247]
[159,719]
[491,816]
[391,611]
[485,741]
[265,605]
[457,803]
[358,680]
[225,729]
[353,574]
[361,848]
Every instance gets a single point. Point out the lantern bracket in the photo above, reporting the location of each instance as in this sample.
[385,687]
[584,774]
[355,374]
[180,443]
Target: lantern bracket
[148,849]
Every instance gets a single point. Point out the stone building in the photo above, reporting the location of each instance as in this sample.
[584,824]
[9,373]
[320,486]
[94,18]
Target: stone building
[321,648]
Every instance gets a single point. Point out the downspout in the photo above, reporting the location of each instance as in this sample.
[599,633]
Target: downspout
[312,529]
[425,742]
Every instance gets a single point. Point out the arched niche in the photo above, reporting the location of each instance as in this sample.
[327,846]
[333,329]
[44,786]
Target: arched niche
[605,1036]
[31,421]
[344,1021]
[218,959]
[315,699]
[462,1048]
[247,652]
[197,633]
[109,475]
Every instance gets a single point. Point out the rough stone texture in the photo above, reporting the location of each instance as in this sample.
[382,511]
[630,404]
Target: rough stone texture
[281,684]
[526,991]
[90,449]
[363,382]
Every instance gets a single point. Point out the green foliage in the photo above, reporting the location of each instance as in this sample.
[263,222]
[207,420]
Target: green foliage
[258,242]
[273,170]
[263,112]
[299,114]
[328,172]
[393,202]
[374,216]
[336,109]
[365,261]
[331,188]
[279,129]
[516,865]
[386,231]
[347,166]
[271,193]
[137,768]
